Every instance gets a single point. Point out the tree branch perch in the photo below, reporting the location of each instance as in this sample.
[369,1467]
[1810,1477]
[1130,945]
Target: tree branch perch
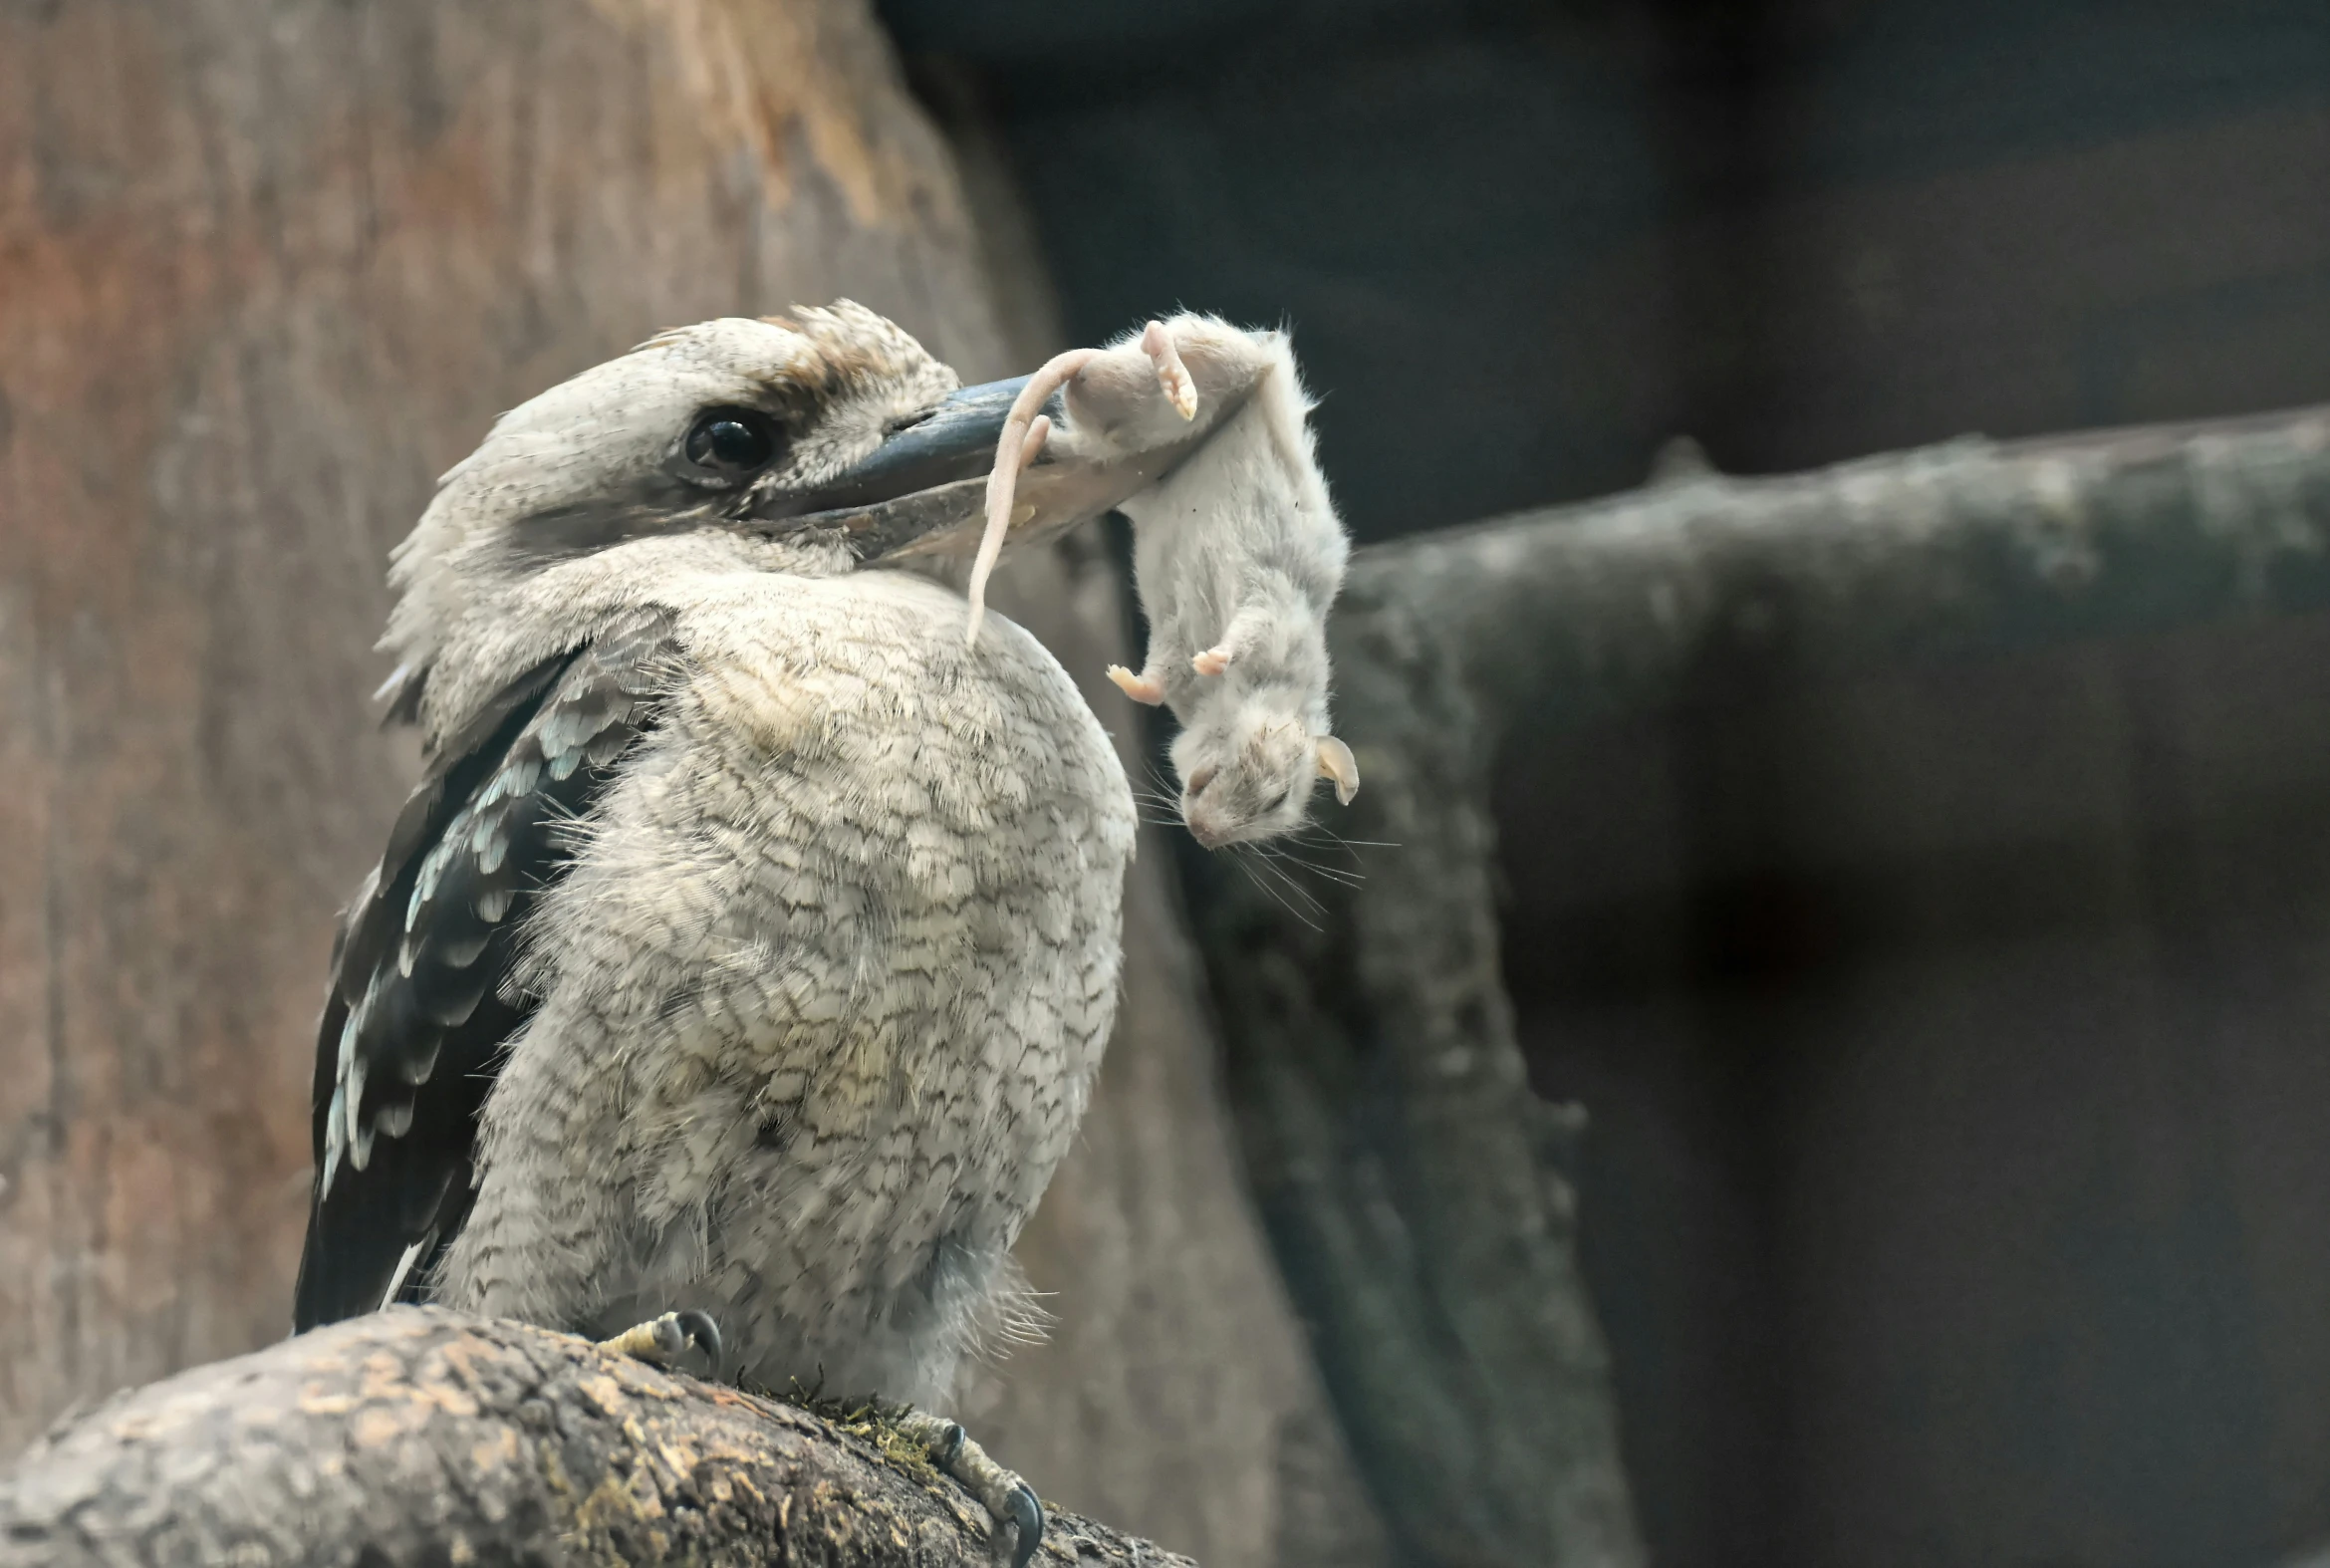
[1573,613]
[422,1436]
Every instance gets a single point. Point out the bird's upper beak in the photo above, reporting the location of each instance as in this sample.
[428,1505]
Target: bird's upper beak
[925,487]
[951,441]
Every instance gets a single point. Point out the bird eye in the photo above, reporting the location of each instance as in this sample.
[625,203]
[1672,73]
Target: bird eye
[731,442]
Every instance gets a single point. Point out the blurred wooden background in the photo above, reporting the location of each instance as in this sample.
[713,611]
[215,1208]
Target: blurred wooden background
[1952,1036]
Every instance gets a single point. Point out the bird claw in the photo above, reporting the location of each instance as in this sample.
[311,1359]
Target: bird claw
[659,1341]
[1027,1519]
[1010,1503]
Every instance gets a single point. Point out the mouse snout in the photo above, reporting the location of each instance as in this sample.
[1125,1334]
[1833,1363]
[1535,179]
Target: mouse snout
[1208,818]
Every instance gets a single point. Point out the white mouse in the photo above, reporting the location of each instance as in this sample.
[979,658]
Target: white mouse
[1237,555]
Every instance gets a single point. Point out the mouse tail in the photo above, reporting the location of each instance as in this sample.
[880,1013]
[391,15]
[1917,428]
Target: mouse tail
[1024,431]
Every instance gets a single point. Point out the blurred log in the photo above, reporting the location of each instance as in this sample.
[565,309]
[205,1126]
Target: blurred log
[1412,1185]
[422,1436]
[1974,547]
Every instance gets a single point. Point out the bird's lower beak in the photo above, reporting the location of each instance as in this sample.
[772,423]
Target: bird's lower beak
[924,486]
[953,441]
[927,478]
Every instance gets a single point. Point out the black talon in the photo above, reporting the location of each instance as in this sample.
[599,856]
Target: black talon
[699,1327]
[1027,1513]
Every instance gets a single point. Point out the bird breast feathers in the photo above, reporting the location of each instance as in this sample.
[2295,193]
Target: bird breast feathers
[864,680]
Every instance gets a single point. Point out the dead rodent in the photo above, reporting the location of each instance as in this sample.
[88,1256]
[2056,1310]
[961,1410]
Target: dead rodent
[1237,555]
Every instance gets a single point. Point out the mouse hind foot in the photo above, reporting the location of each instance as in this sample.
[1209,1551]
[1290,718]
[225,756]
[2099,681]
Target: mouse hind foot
[1140,688]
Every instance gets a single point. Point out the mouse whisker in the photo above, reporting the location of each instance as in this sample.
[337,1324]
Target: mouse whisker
[1341,875]
[1334,874]
[1246,865]
[1314,832]
[1261,863]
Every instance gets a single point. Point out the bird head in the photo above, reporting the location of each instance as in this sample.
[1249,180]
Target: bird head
[811,442]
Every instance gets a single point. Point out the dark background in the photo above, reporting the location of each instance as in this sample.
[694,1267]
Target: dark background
[1957,1039]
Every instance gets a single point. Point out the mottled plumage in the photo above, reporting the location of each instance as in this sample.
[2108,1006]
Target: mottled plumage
[751,943]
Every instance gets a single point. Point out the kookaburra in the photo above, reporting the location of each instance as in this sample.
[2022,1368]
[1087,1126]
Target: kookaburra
[750,943]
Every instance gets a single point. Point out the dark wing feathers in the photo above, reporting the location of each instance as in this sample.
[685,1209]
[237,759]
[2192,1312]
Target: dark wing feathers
[421,1002]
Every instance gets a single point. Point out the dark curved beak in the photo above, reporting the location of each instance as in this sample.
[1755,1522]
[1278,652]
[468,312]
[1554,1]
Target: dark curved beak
[928,479]
[925,487]
[951,441]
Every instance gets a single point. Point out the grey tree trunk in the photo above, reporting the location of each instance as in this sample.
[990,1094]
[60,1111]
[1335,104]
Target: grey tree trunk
[1414,1187]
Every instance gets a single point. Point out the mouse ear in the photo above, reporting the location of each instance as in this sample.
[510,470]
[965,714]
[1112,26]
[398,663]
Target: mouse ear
[1336,762]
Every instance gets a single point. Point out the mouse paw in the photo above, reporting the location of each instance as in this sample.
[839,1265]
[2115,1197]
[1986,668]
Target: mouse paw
[1171,375]
[1212,661]
[1138,687]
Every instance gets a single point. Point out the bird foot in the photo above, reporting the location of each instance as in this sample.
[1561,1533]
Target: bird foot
[1010,1503]
[1211,662]
[1140,688]
[659,1341]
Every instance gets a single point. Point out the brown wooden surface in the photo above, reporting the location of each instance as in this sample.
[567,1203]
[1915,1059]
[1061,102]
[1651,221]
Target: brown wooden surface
[424,1435]
[262,277]
[262,280]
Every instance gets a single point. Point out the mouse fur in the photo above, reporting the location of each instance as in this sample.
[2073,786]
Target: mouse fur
[1237,557]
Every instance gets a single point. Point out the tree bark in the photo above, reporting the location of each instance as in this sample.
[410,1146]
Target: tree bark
[420,1435]
[1413,1185]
